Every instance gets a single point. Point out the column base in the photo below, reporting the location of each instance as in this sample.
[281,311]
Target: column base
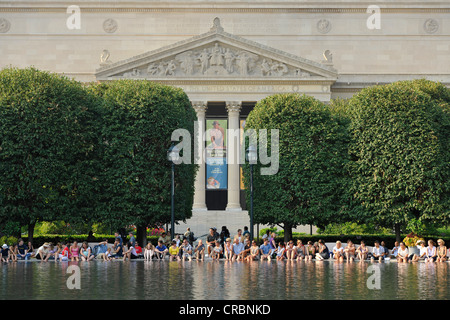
[199,207]
[233,207]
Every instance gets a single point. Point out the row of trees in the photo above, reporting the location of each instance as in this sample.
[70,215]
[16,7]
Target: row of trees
[97,153]
[380,157]
[89,153]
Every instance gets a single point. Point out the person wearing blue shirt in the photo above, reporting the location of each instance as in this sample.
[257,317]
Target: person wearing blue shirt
[238,247]
[266,250]
[161,250]
[102,248]
[118,238]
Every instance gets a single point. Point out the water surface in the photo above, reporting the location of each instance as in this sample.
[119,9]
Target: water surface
[275,280]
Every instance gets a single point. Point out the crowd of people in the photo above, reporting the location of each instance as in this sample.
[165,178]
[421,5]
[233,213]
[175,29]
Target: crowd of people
[223,246]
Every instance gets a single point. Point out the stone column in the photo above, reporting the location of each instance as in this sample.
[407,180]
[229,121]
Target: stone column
[233,108]
[200,179]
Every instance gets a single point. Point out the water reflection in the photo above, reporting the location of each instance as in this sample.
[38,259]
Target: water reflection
[279,280]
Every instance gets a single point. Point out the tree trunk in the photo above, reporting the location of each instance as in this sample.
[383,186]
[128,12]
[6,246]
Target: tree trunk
[287,232]
[141,235]
[398,236]
[31,226]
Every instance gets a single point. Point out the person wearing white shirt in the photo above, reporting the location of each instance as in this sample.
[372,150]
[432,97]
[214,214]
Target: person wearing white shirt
[338,251]
[394,251]
[422,251]
[377,252]
[238,247]
[403,253]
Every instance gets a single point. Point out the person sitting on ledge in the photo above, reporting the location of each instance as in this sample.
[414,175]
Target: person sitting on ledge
[300,250]
[200,251]
[265,250]
[228,249]
[431,252]
[5,253]
[85,252]
[254,252]
[130,253]
[149,251]
[403,253]
[394,250]
[441,251]
[290,251]
[138,250]
[247,246]
[117,251]
[174,252]
[281,251]
[42,251]
[377,252]
[102,249]
[211,240]
[362,251]
[23,251]
[323,252]
[238,247]
[422,251]
[310,251]
[186,250]
[385,248]
[217,251]
[338,251]
[350,251]
[161,250]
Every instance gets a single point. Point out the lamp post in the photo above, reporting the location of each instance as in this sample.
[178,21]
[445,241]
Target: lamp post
[173,154]
[251,156]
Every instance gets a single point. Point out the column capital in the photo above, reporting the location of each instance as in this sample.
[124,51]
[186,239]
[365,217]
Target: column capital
[200,107]
[233,106]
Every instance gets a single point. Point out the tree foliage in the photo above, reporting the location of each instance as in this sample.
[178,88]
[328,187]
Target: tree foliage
[400,151]
[47,142]
[308,188]
[139,118]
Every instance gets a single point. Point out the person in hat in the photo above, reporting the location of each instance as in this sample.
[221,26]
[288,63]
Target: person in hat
[5,253]
[441,251]
[42,251]
[422,251]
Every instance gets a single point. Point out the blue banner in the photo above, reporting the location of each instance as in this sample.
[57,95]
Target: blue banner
[216,173]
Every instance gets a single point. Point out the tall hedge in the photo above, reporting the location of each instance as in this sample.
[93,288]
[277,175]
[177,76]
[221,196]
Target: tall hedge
[309,186]
[400,152]
[48,139]
[139,119]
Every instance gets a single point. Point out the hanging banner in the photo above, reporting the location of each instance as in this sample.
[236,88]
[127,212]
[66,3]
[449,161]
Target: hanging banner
[216,173]
[241,173]
[216,153]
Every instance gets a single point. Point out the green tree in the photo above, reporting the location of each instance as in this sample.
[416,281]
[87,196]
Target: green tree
[47,139]
[308,188]
[400,152]
[139,119]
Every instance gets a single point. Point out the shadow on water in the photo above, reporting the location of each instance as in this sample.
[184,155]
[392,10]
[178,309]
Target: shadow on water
[218,280]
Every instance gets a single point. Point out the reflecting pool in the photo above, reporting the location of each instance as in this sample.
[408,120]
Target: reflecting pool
[200,280]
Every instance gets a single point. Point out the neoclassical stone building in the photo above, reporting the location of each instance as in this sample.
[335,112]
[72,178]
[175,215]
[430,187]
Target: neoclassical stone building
[227,55]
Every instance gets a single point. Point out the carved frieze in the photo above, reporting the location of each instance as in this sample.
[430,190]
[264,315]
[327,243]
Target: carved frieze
[217,60]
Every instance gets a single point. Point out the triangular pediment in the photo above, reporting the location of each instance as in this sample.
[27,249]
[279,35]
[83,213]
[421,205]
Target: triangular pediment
[216,55]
